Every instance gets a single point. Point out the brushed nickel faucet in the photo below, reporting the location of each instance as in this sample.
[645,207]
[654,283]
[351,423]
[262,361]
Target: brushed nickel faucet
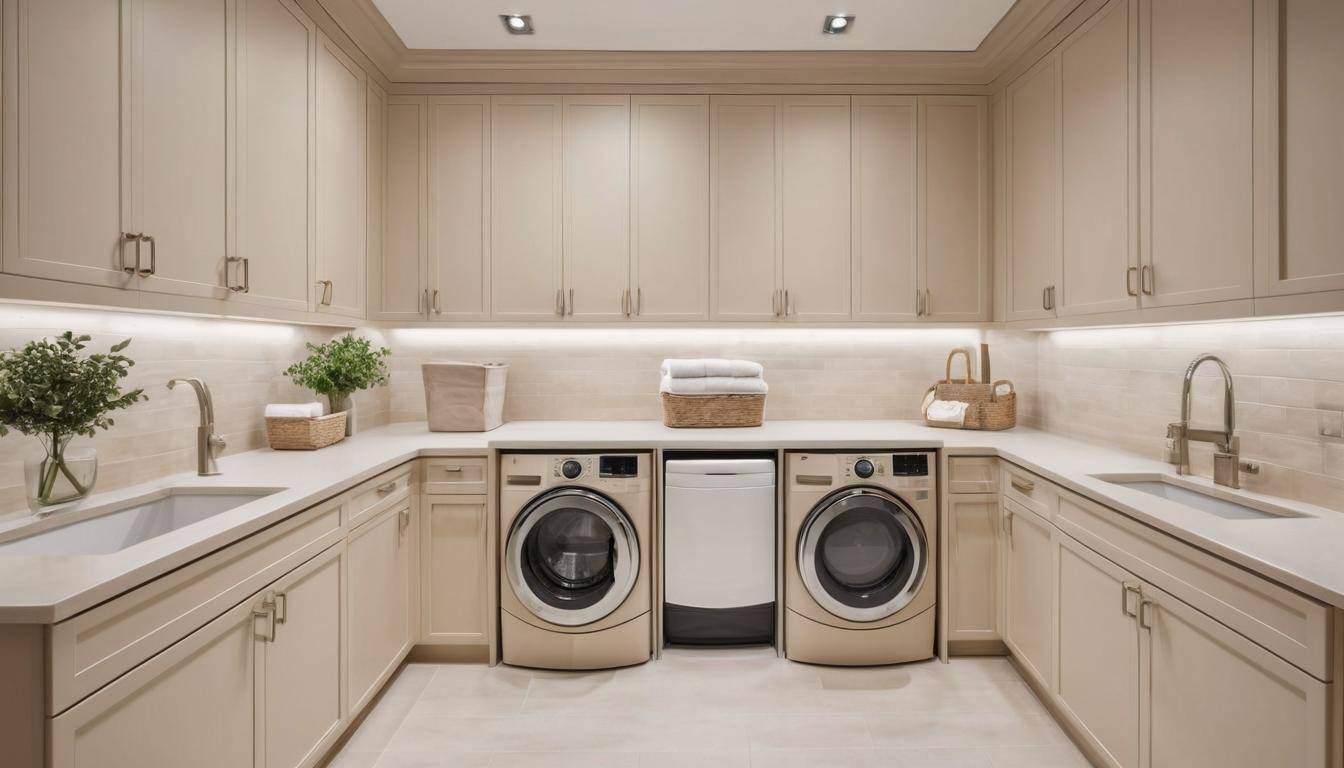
[1227,463]
[208,444]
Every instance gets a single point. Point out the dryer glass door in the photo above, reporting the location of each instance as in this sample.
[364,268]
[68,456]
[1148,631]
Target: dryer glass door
[862,554]
[572,557]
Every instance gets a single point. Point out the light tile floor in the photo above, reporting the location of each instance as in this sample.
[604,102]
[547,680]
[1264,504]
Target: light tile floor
[731,708]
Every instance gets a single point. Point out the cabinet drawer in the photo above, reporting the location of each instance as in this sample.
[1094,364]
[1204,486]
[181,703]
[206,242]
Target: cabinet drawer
[100,644]
[454,476]
[1293,626]
[972,474]
[1030,491]
[382,492]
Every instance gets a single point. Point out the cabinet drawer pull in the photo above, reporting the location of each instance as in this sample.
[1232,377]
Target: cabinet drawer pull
[1146,614]
[405,518]
[919,303]
[438,309]
[1008,524]
[325,298]
[1127,590]
[1149,280]
[639,301]
[129,237]
[153,257]
[1022,486]
[1130,287]
[559,302]
[387,487]
[281,605]
[267,613]
[450,469]
[570,311]
[424,302]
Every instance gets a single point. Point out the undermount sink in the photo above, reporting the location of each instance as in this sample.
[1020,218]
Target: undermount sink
[1215,501]
[136,520]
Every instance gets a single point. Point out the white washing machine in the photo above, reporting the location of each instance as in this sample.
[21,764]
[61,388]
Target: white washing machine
[576,537]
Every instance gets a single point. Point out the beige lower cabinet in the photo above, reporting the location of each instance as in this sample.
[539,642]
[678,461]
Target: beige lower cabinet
[379,610]
[1028,582]
[973,521]
[455,562]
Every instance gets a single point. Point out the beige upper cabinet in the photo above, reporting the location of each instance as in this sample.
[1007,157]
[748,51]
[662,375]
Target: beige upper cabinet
[1099,134]
[341,178]
[398,280]
[1197,79]
[1033,187]
[459,208]
[882,230]
[669,207]
[525,210]
[954,269]
[275,56]
[375,201]
[815,207]
[596,207]
[745,191]
[1310,253]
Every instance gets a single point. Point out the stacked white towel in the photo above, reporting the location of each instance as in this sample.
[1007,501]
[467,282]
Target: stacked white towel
[293,410]
[712,377]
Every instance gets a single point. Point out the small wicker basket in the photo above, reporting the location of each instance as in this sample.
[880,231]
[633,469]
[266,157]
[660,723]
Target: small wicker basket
[987,408]
[707,411]
[303,434]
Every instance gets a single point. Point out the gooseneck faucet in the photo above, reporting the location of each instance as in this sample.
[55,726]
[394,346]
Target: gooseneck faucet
[208,444]
[1227,463]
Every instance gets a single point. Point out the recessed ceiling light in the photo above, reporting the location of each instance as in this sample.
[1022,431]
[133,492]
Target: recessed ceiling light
[838,24]
[517,23]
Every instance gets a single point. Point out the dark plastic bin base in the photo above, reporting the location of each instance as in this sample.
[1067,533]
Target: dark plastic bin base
[748,625]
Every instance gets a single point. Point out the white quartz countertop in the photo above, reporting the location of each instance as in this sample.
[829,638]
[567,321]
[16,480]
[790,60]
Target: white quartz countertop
[1303,553]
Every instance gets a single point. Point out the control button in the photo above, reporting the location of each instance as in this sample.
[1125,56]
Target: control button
[863,468]
[571,469]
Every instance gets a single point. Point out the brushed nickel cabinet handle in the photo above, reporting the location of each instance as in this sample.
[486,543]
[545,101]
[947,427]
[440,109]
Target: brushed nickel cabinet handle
[153,257]
[387,487]
[405,518]
[571,302]
[281,607]
[774,302]
[244,285]
[788,304]
[1126,590]
[1045,297]
[639,301]
[928,303]
[919,303]
[451,469]
[129,237]
[559,302]
[1149,279]
[1022,486]
[1008,524]
[438,309]
[266,612]
[1146,614]
[423,305]
[1130,288]
[325,299]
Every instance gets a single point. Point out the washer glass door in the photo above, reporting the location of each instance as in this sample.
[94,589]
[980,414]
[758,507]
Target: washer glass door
[862,554]
[572,557]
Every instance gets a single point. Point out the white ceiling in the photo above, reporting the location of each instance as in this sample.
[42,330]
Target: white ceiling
[695,25]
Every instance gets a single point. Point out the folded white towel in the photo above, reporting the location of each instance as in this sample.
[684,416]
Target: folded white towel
[714,385]
[293,410]
[948,411]
[711,367]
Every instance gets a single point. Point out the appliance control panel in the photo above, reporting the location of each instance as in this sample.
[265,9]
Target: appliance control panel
[590,467]
[897,470]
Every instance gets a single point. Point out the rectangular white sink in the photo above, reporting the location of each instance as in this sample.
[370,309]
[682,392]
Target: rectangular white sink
[1225,504]
[127,523]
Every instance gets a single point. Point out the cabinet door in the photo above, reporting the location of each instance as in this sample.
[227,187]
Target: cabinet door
[745,227]
[1028,588]
[1216,699]
[1097,681]
[973,567]
[954,208]
[378,606]
[597,206]
[398,281]
[1099,132]
[1033,190]
[459,207]
[190,705]
[1196,144]
[375,198]
[275,54]
[69,175]
[1311,256]
[455,558]
[883,201]
[180,114]
[341,172]
[669,202]
[525,245]
[815,207]
[300,709]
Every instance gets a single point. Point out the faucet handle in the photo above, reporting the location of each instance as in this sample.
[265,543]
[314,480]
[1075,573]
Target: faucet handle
[217,445]
[1171,454]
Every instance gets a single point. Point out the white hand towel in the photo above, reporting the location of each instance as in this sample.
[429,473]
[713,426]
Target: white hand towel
[711,367]
[714,385]
[293,410]
[948,411]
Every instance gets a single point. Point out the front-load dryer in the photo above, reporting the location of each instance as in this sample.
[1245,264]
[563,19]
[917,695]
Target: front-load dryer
[859,546]
[574,584]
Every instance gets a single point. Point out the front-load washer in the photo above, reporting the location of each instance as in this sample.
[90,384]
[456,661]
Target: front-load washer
[860,538]
[575,541]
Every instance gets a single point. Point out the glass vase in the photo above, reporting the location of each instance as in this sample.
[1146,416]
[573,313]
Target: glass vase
[59,474]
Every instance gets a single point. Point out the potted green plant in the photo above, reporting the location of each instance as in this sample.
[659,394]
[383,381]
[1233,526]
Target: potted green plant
[51,390]
[340,368]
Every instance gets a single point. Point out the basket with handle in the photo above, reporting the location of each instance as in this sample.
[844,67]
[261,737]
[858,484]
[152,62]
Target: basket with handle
[986,407]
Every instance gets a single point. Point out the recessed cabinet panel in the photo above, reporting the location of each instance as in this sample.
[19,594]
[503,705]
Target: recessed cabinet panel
[884,194]
[525,225]
[459,207]
[745,194]
[379,609]
[375,226]
[454,561]
[398,282]
[341,173]
[954,208]
[973,567]
[816,207]
[1028,574]
[597,206]
[1033,191]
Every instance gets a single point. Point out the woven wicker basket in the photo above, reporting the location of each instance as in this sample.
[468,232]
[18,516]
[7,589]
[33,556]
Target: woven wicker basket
[705,411]
[299,434]
[987,408]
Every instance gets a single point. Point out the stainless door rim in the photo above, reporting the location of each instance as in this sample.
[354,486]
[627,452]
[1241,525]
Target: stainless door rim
[810,535]
[625,571]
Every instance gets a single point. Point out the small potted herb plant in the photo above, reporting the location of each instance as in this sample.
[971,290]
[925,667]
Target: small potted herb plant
[51,390]
[340,368]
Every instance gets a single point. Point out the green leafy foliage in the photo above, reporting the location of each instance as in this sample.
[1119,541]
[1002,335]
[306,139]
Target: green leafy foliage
[340,367]
[50,388]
